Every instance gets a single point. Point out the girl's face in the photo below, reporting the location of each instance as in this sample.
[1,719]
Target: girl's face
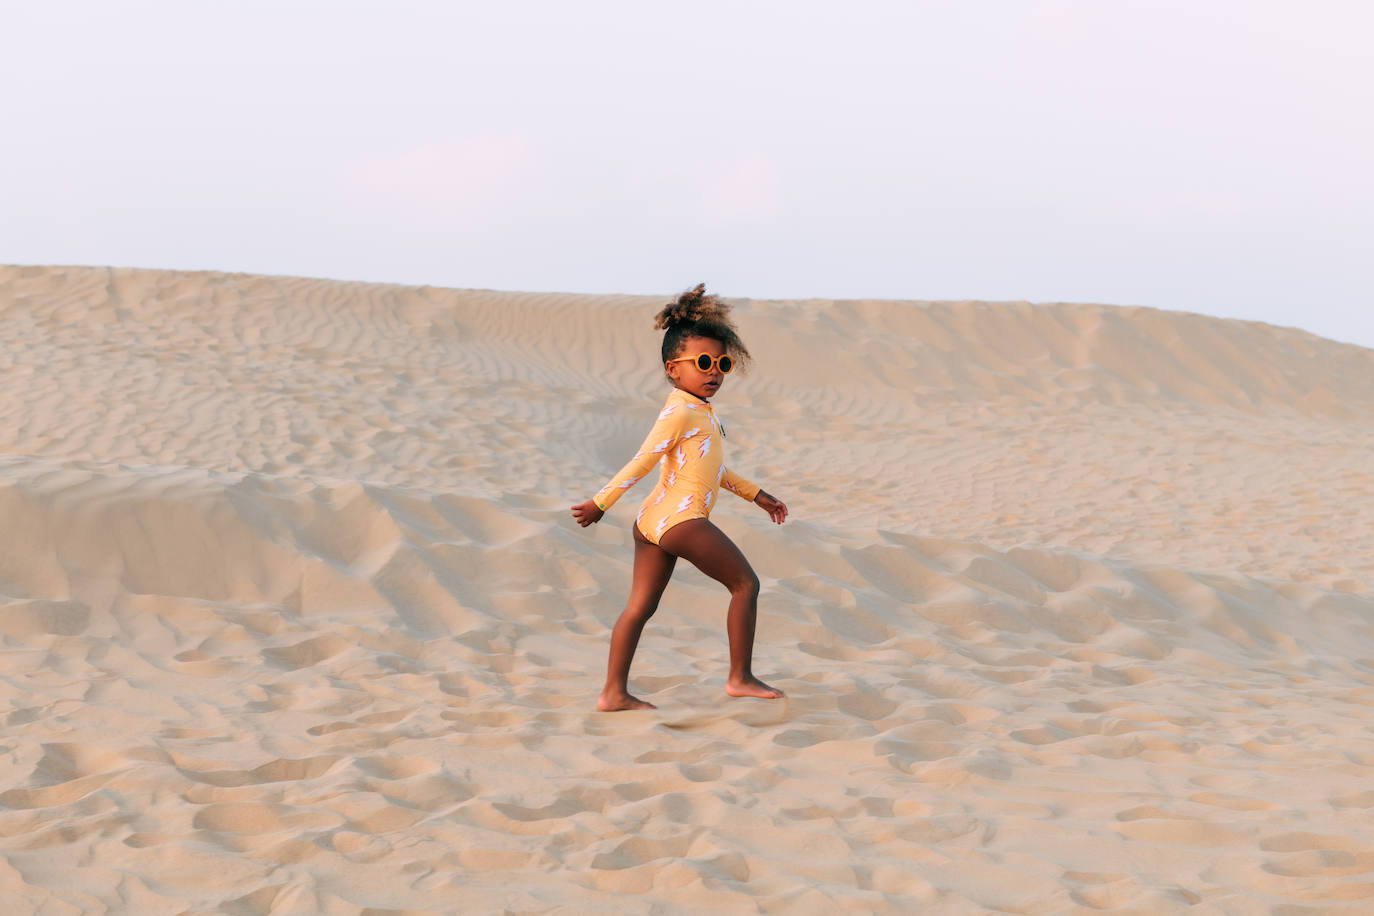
[688,377]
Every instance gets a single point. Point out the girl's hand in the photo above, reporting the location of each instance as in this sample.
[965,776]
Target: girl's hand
[776,508]
[587,513]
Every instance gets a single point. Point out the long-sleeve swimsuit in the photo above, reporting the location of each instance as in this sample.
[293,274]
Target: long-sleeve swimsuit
[687,445]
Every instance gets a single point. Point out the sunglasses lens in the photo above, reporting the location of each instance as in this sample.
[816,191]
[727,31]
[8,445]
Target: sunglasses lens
[704,362]
[726,364]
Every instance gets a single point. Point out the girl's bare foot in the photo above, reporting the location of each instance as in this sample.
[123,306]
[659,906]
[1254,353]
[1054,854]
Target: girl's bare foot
[618,700]
[752,687]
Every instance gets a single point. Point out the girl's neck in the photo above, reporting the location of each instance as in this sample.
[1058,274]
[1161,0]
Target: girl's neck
[694,396]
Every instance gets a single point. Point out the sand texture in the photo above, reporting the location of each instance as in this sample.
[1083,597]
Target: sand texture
[1075,609]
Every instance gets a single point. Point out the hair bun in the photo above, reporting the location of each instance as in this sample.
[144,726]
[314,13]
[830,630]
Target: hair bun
[691,307]
[696,314]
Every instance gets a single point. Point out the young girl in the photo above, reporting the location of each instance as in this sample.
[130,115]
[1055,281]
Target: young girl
[700,348]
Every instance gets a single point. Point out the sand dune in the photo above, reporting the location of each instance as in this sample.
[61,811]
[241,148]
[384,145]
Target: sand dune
[1074,610]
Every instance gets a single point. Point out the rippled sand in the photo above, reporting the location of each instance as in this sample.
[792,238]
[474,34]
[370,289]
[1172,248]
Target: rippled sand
[1075,610]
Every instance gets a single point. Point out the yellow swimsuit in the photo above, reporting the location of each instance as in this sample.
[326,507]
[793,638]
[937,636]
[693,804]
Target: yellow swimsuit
[686,445]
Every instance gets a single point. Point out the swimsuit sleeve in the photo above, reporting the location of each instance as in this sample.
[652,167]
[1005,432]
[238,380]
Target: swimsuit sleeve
[739,486]
[666,433]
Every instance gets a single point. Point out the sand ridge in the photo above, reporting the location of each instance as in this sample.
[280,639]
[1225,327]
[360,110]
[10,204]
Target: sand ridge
[294,618]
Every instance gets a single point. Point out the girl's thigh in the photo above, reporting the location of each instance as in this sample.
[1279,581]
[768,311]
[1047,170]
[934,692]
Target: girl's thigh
[652,570]
[708,548]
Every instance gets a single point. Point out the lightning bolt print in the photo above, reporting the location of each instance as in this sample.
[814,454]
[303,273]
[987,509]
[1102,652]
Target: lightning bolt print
[685,487]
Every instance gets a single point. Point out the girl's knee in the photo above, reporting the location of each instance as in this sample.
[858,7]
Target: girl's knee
[747,584]
[640,611]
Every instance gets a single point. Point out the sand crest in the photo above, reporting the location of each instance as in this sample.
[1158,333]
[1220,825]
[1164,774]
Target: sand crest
[1074,611]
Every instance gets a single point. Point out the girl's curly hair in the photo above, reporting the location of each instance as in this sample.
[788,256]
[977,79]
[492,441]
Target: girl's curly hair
[696,314]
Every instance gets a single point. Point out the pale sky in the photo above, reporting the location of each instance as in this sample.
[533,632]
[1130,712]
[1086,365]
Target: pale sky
[1212,156]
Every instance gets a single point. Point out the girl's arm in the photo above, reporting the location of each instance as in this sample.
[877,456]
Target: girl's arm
[667,432]
[776,508]
[738,485]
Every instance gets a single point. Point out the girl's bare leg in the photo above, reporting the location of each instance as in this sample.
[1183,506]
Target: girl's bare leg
[653,569]
[708,549]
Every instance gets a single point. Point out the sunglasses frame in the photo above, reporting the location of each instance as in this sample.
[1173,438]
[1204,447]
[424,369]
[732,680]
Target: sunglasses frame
[715,362]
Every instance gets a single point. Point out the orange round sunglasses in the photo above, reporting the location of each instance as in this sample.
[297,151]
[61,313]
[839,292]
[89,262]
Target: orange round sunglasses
[705,362]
